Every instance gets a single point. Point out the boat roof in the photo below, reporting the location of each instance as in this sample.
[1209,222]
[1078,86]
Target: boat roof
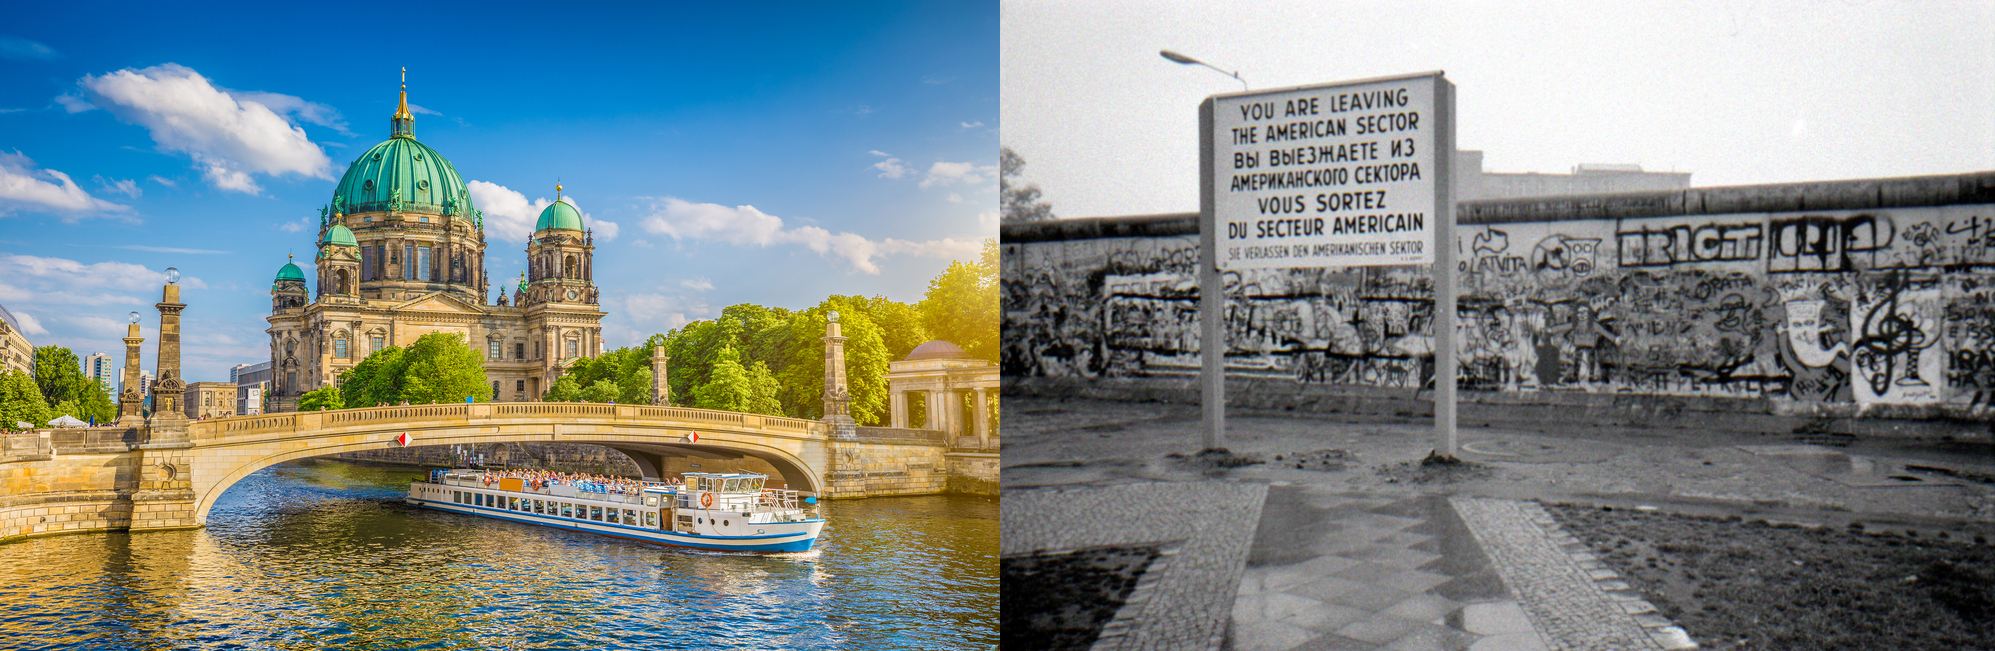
[728,475]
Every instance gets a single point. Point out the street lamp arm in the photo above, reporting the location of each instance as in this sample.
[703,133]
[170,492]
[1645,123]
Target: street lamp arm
[1175,57]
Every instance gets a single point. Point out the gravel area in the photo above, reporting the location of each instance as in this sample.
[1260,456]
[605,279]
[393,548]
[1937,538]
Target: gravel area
[1062,600]
[1736,584]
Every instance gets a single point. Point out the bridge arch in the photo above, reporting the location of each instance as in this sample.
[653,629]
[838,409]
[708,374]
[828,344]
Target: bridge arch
[227,450]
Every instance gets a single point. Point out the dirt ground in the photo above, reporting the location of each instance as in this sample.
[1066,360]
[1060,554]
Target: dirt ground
[1743,584]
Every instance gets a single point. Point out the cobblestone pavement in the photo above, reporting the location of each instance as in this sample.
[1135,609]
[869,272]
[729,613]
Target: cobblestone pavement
[1574,607]
[1183,601]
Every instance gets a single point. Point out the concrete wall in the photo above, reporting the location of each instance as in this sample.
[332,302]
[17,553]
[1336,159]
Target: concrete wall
[47,490]
[973,473]
[1869,299]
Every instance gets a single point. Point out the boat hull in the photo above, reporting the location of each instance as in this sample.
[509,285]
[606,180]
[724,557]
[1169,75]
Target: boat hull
[799,540]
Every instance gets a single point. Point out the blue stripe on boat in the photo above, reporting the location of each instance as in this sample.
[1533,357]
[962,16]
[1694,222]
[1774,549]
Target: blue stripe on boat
[654,535]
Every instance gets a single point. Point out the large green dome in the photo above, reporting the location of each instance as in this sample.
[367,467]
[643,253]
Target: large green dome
[426,182]
[339,235]
[559,214]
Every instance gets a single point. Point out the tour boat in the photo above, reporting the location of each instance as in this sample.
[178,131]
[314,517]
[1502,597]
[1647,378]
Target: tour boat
[716,511]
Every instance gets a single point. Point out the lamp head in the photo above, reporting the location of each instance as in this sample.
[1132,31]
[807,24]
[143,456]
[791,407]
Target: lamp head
[133,317]
[173,275]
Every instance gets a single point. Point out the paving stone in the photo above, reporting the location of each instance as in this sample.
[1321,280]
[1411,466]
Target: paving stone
[1423,607]
[1510,642]
[1495,618]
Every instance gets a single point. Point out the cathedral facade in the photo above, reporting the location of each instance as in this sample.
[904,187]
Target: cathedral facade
[401,254]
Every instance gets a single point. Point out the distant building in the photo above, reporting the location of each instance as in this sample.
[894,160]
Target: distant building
[252,386]
[145,383]
[98,367]
[16,354]
[210,400]
[1473,183]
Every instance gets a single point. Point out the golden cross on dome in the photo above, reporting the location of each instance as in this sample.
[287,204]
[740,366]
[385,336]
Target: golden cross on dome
[405,77]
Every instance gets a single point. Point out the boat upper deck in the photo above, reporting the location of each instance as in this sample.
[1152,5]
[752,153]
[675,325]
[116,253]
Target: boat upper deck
[619,492]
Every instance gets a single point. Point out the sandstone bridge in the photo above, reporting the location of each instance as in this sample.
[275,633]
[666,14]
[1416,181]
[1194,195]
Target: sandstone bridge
[55,481]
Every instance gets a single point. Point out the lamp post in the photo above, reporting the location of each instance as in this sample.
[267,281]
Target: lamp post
[1175,57]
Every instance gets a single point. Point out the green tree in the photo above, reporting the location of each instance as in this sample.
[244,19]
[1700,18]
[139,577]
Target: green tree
[961,305]
[762,390]
[564,389]
[437,368]
[600,391]
[441,368]
[375,381]
[728,386]
[320,399]
[59,377]
[1018,201]
[21,402]
[635,387]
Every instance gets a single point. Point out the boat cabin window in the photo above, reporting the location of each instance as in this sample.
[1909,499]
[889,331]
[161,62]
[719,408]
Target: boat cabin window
[596,513]
[651,519]
[567,510]
[629,517]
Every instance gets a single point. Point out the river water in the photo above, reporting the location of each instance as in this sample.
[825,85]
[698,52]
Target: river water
[321,554]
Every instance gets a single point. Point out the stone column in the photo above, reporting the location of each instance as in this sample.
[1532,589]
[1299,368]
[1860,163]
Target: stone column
[661,389]
[165,495]
[935,416]
[169,418]
[836,400]
[131,401]
[983,419]
[897,409]
[837,396]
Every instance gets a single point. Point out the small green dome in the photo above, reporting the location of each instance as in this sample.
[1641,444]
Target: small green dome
[559,214]
[339,235]
[401,167]
[290,271]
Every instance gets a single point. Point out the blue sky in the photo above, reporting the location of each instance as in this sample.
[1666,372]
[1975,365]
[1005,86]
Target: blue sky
[772,154]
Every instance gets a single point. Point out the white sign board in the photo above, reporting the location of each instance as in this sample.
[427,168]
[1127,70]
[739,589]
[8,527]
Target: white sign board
[1339,175]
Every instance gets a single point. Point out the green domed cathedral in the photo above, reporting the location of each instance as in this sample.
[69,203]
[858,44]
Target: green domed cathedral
[401,254]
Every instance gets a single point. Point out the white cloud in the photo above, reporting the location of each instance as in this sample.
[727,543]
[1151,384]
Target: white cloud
[955,198]
[510,216]
[987,221]
[890,167]
[697,284]
[125,187]
[29,325]
[23,185]
[950,173]
[163,181]
[295,226]
[419,109]
[230,136]
[182,250]
[972,124]
[936,80]
[605,230]
[749,226]
[297,107]
[72,274]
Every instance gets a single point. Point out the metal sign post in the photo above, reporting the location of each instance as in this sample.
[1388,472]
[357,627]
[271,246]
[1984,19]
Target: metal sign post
[1347,174]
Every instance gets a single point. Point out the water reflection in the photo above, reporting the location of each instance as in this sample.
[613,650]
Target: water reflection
[319,554]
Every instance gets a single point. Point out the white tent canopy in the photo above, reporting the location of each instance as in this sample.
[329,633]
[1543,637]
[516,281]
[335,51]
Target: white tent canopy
[67,421]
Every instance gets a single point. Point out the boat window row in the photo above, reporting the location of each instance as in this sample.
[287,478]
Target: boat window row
[557,508]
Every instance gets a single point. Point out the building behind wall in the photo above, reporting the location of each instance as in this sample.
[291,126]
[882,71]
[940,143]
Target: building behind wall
[210,400]
[252,386]
[1474,183]
[98,367]
[16,354]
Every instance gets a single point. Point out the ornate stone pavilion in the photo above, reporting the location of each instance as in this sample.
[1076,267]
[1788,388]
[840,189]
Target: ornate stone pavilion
[939,386]
[401,254]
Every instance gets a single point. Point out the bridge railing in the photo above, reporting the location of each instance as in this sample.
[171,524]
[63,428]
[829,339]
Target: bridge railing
[246,425]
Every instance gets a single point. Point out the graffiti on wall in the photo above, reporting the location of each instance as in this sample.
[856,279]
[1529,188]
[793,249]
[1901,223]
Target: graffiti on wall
[1855,308]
